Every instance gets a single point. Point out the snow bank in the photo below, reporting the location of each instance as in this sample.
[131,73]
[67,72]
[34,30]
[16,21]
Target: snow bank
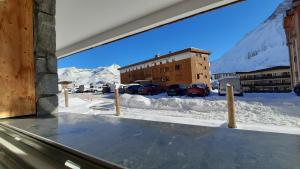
[204,105]
[250,110]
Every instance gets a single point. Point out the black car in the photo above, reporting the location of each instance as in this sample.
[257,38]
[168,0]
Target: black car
[132,89]
[106,89]
[297,89]
[177,90]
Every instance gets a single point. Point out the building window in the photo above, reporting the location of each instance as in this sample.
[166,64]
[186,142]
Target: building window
[198,76]
[204,58]
[205,76]
[177,67]
[205,67]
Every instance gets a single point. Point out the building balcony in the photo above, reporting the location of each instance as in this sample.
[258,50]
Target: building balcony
[265,77]
[269,84]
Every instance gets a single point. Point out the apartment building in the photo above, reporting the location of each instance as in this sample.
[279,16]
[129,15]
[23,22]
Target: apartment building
[218,76]
[186,66]
[292,29]
[275,79]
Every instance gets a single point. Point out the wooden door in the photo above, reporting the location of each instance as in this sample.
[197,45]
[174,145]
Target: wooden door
[17,88]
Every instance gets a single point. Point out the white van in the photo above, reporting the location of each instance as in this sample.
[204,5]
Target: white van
[234,81]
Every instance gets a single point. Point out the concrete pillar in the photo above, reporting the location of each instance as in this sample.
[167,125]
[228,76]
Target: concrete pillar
[45,58]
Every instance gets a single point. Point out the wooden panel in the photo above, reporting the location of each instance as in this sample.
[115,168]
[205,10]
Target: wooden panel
[17,88]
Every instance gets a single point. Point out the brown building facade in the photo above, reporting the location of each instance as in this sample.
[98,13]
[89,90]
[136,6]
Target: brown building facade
[275,79]
[182,67]
[292,29]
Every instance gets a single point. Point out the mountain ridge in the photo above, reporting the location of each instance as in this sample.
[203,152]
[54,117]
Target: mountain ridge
[84,76]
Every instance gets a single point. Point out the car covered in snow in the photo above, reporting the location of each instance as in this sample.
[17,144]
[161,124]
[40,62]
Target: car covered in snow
[150,89]
[177,90]
[198,89]
[234,81]
[297,89]
[132,88]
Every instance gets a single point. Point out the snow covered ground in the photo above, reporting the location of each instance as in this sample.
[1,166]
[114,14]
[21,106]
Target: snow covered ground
[274,112]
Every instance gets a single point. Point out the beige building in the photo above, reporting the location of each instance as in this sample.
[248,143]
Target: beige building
[182,67]
[218,76]
[292,29]
[275,79]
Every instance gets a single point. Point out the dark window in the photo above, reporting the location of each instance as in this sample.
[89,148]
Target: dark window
[198,76]
[177,67]
[204,58]
[205,67]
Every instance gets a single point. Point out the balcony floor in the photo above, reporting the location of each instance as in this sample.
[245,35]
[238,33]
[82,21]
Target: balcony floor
[145,144]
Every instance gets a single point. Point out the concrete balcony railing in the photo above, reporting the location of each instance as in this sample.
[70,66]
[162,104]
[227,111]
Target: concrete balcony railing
[266,77]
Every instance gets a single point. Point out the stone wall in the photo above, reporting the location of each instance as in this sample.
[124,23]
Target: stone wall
[45,59]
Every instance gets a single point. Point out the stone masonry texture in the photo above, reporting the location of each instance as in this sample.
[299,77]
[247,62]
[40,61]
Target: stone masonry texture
[45,59]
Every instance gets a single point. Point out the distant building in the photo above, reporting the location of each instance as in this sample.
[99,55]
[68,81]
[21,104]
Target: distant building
[292,29]
[275,79]
[218,76]
[182,67]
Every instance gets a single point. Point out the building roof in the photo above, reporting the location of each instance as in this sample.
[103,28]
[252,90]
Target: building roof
[267,69]
[81,25]
[192,50]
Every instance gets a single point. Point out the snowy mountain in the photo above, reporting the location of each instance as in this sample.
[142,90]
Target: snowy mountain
[98,75]
[264,47]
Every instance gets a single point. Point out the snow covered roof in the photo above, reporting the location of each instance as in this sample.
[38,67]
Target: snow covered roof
[81,25]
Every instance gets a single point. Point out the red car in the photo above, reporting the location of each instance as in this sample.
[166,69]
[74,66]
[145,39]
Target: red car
[150,89]
[199,89]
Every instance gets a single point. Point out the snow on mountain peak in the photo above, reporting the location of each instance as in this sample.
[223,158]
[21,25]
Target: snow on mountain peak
[98,75]
[264,47]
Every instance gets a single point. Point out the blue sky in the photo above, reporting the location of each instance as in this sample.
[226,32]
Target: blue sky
[216,31]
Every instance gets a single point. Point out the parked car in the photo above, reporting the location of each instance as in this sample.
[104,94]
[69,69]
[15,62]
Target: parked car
[106,88]
[122,88]
[143,82]
[150,89]
[234,81]
[97,89]
[297,89]
[132,88]
[198,89]
[215,84]
[177,90]
[80,89]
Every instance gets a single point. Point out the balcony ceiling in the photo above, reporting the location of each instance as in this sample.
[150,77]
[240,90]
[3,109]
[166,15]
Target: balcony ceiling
[84,24]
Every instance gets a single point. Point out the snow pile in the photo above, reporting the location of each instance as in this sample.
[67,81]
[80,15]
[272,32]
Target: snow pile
[203,105]
[252,110]
[101,75]
[262,48]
